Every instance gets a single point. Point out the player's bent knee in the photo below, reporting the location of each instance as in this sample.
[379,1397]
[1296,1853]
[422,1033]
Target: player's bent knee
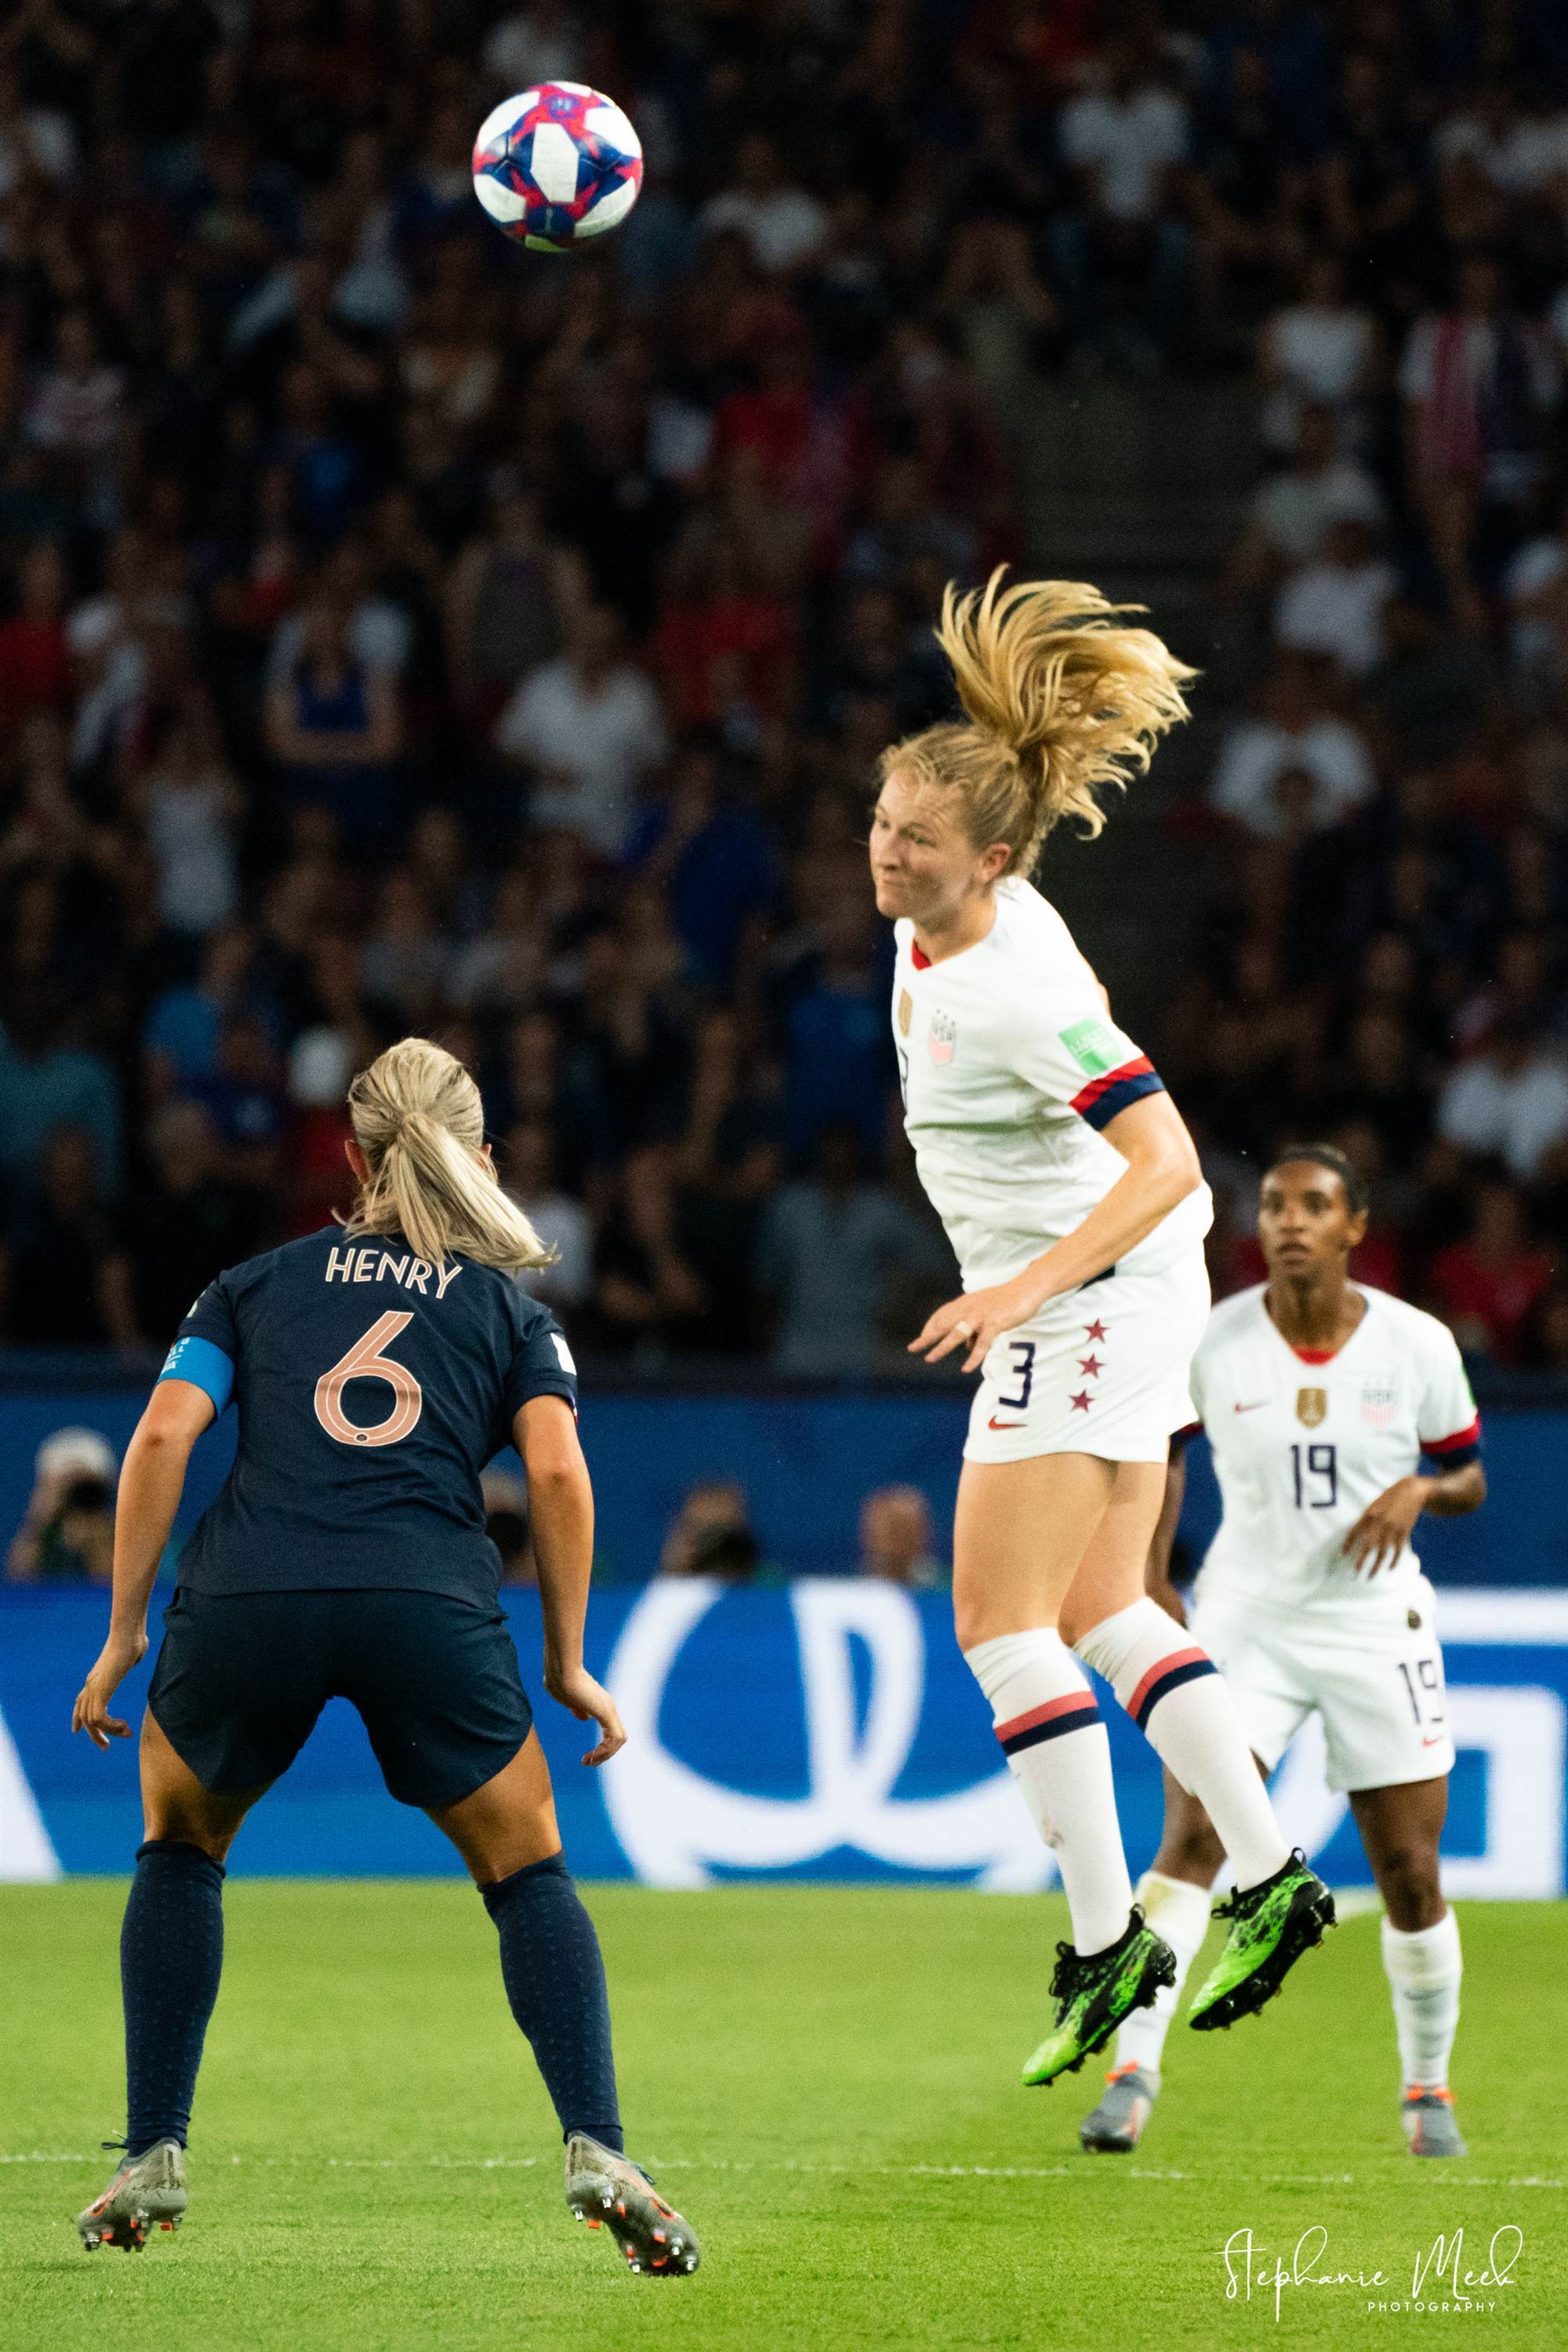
[1195,1855]
[1411,1889]
[176,1827]
[980,1620]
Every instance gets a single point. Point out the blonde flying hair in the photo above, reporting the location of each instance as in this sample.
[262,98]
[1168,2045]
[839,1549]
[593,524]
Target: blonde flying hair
[1061,698]
[418,1117]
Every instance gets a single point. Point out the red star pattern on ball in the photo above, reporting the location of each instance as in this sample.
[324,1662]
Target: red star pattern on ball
[1089,1367]
[1094,1330]
[1080,1402]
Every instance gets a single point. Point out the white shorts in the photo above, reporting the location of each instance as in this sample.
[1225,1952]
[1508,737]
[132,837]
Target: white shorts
[1373,1672]
[1102,1369]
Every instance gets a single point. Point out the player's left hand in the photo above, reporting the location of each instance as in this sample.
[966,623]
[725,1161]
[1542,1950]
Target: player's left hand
[975,1322]
[577,1691]
[1383,1530]
[114,1662]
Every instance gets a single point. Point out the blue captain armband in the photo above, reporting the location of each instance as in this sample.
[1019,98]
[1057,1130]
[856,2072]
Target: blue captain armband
[204,1366]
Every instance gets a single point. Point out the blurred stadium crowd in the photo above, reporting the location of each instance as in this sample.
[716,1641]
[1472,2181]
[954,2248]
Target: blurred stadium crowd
[404,632]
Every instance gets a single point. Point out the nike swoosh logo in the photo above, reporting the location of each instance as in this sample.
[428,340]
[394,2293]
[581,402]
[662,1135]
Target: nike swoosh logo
[1251,1408]
[1435,1742]
[994,1423]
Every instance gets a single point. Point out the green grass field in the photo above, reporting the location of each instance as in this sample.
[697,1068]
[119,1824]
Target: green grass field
[824,2079]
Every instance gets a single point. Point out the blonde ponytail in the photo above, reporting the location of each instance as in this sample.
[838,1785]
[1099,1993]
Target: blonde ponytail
[1062,700]
[417,1118]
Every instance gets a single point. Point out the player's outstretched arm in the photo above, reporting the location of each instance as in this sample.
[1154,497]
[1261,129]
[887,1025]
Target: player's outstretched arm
[1162,1169]
[1383,1529]
[560,1520]
[150,1484]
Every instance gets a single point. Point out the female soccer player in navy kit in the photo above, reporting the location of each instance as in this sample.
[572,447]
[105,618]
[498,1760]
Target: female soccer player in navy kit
[346,1555]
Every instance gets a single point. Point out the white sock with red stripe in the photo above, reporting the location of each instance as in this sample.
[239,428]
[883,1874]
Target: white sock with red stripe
[1057,1750]
[1175,1696]
[1178,1911]
[1424,1966]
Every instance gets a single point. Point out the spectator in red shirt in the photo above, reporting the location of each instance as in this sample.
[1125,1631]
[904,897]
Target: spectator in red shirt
[1487,1284]
[774,416]
[725,646]
[35,659]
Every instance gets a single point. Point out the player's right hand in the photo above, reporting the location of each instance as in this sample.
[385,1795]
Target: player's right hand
[114,1662]
[577,1691]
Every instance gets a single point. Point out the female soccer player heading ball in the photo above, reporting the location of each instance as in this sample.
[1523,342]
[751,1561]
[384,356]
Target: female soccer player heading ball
[347,1555]
[1321,1397]
[1072,1195]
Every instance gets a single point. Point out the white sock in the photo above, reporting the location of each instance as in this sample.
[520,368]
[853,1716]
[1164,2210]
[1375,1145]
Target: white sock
[1057,1752]
[1424,1970]
[1175,1696]
[1179,1911]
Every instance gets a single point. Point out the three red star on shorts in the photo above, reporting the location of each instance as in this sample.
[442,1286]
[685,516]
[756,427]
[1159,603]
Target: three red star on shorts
[1080,1402]
[1094,1330]
[1089,1367]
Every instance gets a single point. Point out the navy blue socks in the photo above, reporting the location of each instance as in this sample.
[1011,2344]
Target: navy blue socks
[170,1958]
[555,1982]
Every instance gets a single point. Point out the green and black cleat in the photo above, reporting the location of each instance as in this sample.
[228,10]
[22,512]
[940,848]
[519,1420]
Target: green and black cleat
[609,2191]
[1271,1925]
[1094,1995]
[146,2189]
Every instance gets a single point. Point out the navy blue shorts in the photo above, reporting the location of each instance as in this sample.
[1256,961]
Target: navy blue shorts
[241,1678]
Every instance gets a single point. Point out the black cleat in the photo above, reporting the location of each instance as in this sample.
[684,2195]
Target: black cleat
[1271,1925]
[1094,1995]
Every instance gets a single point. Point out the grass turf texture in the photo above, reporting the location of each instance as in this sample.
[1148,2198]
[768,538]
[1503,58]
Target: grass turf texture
[824,2079]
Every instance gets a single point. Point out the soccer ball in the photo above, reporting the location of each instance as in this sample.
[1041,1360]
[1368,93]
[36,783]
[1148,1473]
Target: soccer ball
[557,165]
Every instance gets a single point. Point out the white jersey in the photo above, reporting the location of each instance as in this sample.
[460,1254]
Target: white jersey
[1010,1067]
[1302,1442]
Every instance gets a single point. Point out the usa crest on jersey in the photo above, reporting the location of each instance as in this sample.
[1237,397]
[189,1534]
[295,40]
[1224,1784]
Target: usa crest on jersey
[1378,1401]
[941,1038]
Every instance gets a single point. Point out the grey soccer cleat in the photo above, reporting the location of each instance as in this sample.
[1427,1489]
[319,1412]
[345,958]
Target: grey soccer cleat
[1429,2126]
[146,2188]
[1115,2127]
[608,2190]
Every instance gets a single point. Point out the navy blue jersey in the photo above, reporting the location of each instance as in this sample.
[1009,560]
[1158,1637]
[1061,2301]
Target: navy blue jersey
[371,1387]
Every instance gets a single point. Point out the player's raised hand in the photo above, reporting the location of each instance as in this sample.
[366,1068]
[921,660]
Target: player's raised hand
[577,1691]
[1383,1530]
[975,1323]
[114,1662]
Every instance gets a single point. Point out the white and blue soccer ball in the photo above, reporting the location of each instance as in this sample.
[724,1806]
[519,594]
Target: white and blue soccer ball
[557,165]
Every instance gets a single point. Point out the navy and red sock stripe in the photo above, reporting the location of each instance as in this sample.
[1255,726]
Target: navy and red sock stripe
[1168,1674]
[1074,1712]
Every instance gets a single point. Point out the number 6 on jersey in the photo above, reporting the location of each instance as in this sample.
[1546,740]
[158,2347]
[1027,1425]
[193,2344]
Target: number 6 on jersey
[364,1362]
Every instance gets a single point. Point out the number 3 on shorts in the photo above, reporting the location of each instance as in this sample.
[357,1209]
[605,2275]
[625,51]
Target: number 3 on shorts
[365,1363]
[1023,1354]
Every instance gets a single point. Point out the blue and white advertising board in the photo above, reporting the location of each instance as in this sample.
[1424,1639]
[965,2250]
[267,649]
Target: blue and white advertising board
[827,1729]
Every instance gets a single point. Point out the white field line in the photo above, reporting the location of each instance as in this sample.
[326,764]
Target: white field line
[1079,2171]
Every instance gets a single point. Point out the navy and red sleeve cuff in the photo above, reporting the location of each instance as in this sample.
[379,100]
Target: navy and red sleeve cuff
[1099,1101]
[1453,1452]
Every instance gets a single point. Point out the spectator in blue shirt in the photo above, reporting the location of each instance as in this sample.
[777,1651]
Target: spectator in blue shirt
[179,1041]
[44,1084]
